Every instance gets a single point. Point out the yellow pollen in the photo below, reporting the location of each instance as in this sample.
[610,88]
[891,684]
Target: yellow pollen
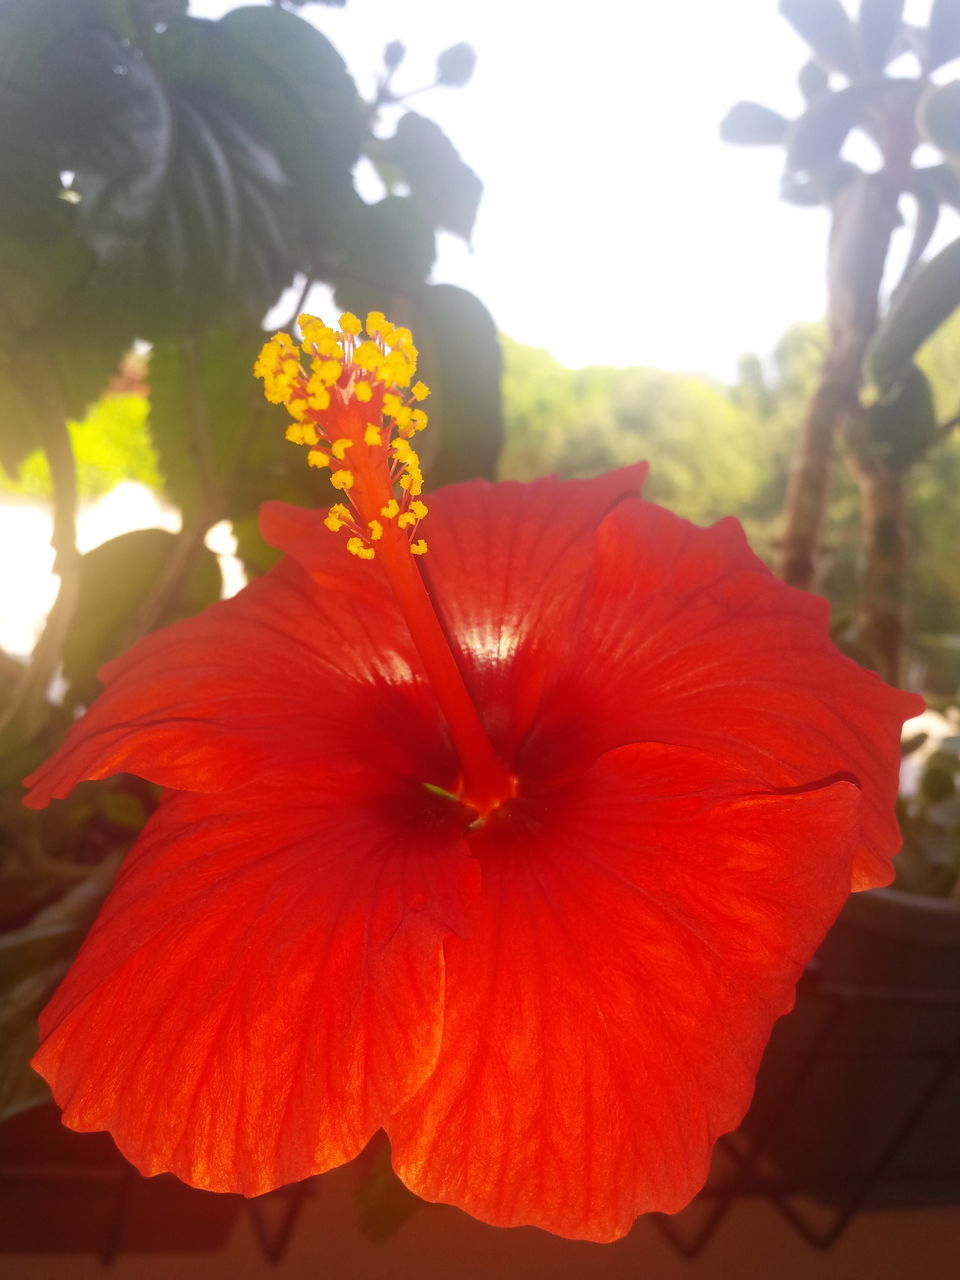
[323,382]
[357,547]
[368,356]
[337,517]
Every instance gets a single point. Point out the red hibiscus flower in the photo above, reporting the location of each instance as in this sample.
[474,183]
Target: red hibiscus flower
[515,850]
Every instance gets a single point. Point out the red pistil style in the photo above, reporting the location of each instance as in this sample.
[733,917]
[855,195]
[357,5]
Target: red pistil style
[513,845]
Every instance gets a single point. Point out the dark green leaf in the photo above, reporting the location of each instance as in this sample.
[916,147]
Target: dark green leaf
[112,122]
[455,65]
[751,124]
[812,81]
[445,189]
[943,34]
[287,85]
[927,300]
[878,24]
[115,580]
[390,251]
[460,361]
[902,426]
[938,116]
[827,30]
[204,406]
[815,139]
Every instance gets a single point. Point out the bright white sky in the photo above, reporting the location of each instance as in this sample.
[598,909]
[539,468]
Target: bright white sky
[615,226]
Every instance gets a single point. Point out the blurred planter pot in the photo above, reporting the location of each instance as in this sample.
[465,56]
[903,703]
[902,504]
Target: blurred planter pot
[66,1192]
[858,1098]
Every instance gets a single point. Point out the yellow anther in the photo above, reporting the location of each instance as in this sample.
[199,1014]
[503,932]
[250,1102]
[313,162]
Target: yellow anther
[376,530]
[350,324]
[392,404]
[406,520]
[419,391]
[342,480]
[403,418]
[363,391]
[403,451]
[418,419]
[339,447]
[337,517]
[418,509]
[317,458]
[376,322]
[397,369]
[294,433]
[357,547]
[326,372]
[402,337]
[391,510]
[310,435]
[297,409]
[418,548]
[318,399]
[369,356]
[413,484]
[372,435]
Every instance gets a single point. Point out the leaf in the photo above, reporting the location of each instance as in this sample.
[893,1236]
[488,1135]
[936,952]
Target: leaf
[285,77]
[390,250]
[456,65]
[939,181]
[827,30]
[938,116]
[820,186]
[927,300]
[445,190]
[462,364]
[114,580]
[878,24]
[204,404]
[33,959]
[815,139]
[943,34]
[812,81]
[750,124]
[901,427]
[113,125]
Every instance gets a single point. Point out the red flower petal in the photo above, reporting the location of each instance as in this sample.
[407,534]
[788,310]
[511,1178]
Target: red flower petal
[638,934]
[283,673]
[683,636]
[265,982]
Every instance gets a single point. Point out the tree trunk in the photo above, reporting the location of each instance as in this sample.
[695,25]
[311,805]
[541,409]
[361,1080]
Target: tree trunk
[881,603]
